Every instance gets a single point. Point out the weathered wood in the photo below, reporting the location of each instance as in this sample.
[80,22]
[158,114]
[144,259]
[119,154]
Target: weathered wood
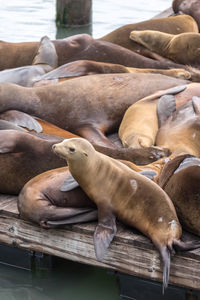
[74,12]
[130,251]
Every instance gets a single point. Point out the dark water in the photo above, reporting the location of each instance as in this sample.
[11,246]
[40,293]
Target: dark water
[24,20]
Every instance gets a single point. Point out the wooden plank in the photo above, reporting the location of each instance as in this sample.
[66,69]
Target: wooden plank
[129,253]
[8,204]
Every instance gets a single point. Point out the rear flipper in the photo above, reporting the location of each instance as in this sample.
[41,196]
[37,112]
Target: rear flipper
[87,216]
[57,216]
[169,250]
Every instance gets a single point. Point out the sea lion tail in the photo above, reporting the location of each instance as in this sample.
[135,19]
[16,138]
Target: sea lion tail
[184,246]
[166,259]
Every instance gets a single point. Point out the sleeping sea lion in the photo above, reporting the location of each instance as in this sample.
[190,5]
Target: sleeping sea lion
[89,67]
[144,112]
[23,156]
[183,48]
[44,61]
[79,47]
[171,25]
[189,7]
[180,180]
[89,106]
[41,201]
[127,195]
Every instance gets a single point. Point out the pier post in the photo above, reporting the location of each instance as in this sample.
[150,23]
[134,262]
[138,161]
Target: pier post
[73,12]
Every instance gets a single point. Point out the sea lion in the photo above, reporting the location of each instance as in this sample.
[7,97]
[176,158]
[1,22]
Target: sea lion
[89,106]
[79,47]
[23,156]
[189,7]
[182,48]
[180,179]
[89,67]
[181,131]
[144,112]
[171,25]
[127,195]
[44,61]
[41,201]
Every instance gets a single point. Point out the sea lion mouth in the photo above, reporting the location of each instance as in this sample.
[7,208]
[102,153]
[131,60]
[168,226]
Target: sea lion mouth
[59,152]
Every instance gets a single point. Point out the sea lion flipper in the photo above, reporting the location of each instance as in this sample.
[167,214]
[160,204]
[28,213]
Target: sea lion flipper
[20,118]
[87,215]
[149,174]
[105,230]
[69,184]
[165,107]
[196,104]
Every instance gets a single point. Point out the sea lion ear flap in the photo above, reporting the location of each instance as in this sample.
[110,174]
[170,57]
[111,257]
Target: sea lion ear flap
[196,104]
[69,184]
[165,107]
[105,231]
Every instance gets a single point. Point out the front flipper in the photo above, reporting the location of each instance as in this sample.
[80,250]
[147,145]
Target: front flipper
[165,108]
[22,119]
[105,230]
[69,184]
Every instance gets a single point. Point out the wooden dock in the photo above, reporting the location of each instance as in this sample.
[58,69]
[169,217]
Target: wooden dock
[130,252]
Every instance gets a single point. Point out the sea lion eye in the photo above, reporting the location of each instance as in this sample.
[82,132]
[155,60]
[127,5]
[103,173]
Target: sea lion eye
[71,149]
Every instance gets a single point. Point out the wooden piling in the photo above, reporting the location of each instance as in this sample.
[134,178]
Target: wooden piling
[73,12]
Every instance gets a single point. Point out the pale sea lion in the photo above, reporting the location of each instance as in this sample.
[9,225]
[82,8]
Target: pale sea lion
[189,7]
[78,47]
[127,195]
[144,112]
[89,106]
[89,67]
[23,156]
[180,179]
[171,25]
[183,48]
[44,61]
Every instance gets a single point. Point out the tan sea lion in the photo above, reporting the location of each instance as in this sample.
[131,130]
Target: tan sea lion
[88,67]
[23,156]
[140,123]
[44,61]
[171,25]
[41,201]
[189,7]
[89,106]
[79,47]
[127,195]
[180,179]
[182,48]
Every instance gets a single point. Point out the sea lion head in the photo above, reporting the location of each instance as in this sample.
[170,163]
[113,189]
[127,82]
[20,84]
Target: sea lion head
[74,149]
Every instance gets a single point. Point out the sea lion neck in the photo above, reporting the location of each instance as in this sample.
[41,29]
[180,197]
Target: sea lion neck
[17,98]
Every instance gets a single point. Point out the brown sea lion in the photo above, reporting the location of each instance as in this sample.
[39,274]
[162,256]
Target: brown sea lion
[89,67]
[78,47]
[189,7]
[23,156]
[41,201]
[89,106]
[182,48]
[171,25]
[180,179]
[44,61]
[127,195]
[140,123]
